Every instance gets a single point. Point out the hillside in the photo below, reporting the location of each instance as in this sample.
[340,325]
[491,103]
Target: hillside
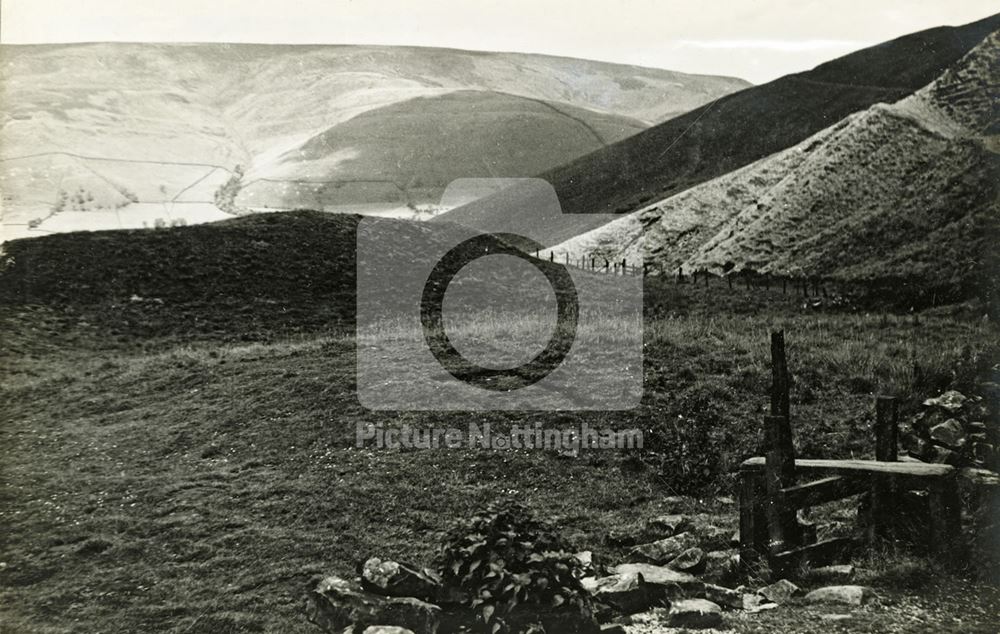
[455,135]
[908,191]
[732,132]
[120,135]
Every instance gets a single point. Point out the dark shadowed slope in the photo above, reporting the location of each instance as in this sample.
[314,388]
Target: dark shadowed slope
[733,132]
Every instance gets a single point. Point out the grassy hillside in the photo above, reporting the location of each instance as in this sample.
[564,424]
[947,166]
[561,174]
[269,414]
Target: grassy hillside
[457,135]
[734,131]
[906,192]
[187,466]
[146,131]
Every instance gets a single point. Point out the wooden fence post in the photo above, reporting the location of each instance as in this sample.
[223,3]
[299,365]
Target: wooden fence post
[779,473]
[883,491]
[552,256]
[779,376]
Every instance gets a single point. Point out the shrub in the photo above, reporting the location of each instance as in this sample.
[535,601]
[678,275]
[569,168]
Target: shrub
[510,566]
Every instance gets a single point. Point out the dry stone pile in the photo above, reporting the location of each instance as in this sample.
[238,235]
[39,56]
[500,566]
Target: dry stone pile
[671,581]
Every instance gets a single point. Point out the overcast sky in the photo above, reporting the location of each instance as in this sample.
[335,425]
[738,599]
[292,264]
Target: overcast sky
[754,39]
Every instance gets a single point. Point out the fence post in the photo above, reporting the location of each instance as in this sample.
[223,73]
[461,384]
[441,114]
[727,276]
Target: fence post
[552,256]
[784,285]
[704,275]
[623,266]
[729,280]
[680,275]
[567,258]
[779,376]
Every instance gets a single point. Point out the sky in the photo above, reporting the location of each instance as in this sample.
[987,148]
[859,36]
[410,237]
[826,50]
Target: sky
[757,40]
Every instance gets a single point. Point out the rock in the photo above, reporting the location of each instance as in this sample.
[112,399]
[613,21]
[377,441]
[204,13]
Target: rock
[942,455]
[834,617]
[711,537]
[663,550]
[537,619]
[612,628]
[695,613]
[734,539]
[950,401]
[780,591]
[754,603]
[664,583]
[842,572]
[949,433]
[720,566]
[386,629]
[625,592]
[688,560]
[724,596]
[393,579]
[586,559]
[846,595]
[664,526]
[336,603]
[659,575]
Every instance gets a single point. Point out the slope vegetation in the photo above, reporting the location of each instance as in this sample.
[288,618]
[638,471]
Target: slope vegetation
[732,132]
[904,192]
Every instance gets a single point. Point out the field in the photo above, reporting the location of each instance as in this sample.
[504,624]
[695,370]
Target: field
[190,482]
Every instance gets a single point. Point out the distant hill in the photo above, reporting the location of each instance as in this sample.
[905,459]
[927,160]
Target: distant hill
[731,133]
[907,192]
[455,135]
[121,135]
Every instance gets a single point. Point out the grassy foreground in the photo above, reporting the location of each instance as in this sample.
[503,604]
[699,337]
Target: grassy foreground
[196,484]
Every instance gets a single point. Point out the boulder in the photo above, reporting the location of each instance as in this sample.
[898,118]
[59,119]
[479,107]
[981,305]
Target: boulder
[720,566]
[336,603]
[949,433]
[841,572]
[393,579]
[951,401]
[664,526]
[845,595]
[711,537]
[386,629]
[695,614]
[780,591]
[663,550]
[724,596]
[688,560]
[663,582]
[625,592]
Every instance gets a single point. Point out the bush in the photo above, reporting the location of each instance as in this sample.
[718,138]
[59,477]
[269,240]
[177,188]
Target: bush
[511,567]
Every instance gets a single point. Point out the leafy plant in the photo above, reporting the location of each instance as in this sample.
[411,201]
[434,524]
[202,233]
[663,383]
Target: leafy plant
[510,566]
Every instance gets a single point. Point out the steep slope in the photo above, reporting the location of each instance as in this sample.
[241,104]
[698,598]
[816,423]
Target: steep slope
[906,192]
[156,129]
[731,133]
[456,135]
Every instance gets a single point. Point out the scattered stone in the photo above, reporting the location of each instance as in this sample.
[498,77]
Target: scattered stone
[734,539]
[754,603]
[664,583]
[942,455]
[659,575]
[780,591]
[846,595]
[336,603]
[695,613]
[586,559]
[393,579]
[724,596]
[665,526]
[386,629]
[688,560]
[949,433]
[951,401]
[612,628]
[842,572]
[711,537]
[834,617]
[725,499]
[663,550]
[625,592]
[720,566]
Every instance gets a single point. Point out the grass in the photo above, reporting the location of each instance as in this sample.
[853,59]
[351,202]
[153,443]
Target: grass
[188,486]
[186,461]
